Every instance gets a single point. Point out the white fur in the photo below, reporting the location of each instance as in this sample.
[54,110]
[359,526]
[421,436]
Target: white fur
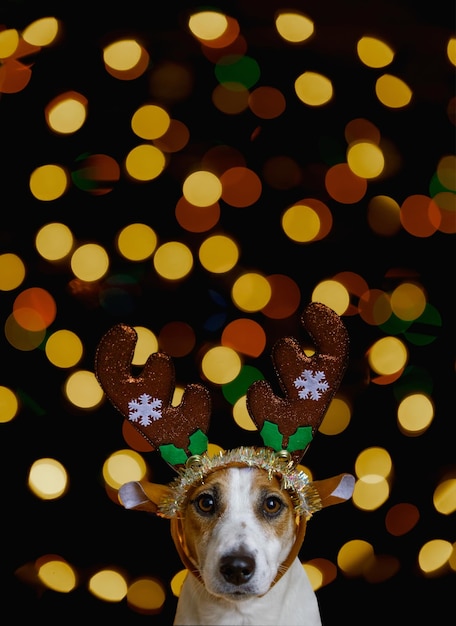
[239,528]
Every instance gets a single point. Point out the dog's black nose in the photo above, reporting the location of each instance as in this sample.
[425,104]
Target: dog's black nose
[237,569]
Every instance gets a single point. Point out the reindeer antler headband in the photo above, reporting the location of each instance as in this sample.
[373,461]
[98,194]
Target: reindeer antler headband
[286,424]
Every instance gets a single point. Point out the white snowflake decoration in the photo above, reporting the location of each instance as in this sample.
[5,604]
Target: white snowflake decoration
[311,384]
[144,410]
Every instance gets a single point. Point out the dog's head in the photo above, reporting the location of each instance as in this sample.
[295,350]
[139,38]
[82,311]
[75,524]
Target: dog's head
[256,498]
[239,528]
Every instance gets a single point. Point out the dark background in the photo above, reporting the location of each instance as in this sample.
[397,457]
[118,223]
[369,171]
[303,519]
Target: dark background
[85,526]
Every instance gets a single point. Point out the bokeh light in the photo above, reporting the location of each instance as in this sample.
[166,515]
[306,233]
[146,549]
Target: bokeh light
[137,242]
[66,113]
[220,364]
[12,271]
[108,585]
[56,573]
[54,241]
[123,466]
[48,479]
[201,174]
[173,260]
[9,404]
[90,262]
[313,88]
[293,26]
[202,188]
[218,254]
[64,348]
[251,291]
[49,182]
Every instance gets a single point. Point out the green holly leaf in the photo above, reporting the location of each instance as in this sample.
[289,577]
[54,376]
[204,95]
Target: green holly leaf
[173,455]
[198,442]
[300,439]
[271,436]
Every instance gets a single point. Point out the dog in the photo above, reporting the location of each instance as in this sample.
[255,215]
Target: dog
[238,518]
[239,537]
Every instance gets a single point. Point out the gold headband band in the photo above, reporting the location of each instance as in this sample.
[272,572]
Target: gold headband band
[296,482]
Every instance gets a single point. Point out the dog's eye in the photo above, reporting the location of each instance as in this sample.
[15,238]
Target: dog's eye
[205,502]
[272,505]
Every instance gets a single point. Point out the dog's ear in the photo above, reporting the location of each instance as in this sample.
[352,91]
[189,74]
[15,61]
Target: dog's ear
[143,495]
[335,490]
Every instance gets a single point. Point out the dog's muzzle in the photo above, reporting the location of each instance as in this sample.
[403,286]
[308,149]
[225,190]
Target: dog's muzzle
[237,569]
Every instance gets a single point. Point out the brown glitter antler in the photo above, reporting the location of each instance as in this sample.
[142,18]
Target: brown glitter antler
[309,383]
[145,400]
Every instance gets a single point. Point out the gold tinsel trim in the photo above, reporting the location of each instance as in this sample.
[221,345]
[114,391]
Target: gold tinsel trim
[305,497]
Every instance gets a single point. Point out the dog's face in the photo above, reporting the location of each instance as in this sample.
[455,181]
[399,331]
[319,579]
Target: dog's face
[239,527]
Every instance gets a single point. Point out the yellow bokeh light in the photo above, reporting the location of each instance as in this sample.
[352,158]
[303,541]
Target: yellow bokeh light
[9,41]
[384,215]
[54,241]
[332,293]
[64,348]
[202,188]
[67,113]
[56,574]
[251,292]
[177,581]
[451,50]
[122,467]
[48,182]
[173,260]
[42,32]
[82,390]
[408,301]
[374,53]
[146,595]
[355,557]
[392,91]
[444,497]
[145,162]
[301,223]
[12,271]
[313,89]
[365,159]
[90,262]
[146,345]
[373,461]
[108,585]
[242,416]
[136,242]
[434,555]
[208,25]
[150,122]
[415,414]
[122,55]
[9,404]
[388,355]
[371,491]
[221,365]
[337,417]
[294,27]
[314,574]
[218,254]
[48,479]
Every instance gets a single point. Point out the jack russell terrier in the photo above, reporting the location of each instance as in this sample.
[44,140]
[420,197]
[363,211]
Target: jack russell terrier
[238,518]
